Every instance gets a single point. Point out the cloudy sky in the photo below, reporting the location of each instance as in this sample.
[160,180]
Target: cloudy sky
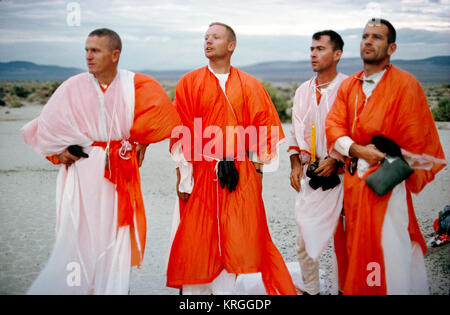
[168,34]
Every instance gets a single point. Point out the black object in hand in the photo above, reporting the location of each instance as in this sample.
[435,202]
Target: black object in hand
[77,151]
[387,146]
[228,174]
[317,181]
[393,170]
[331,181]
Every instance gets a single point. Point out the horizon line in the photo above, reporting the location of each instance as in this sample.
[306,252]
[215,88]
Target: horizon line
[241,66]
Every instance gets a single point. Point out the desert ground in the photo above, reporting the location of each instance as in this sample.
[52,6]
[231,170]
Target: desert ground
[27,210]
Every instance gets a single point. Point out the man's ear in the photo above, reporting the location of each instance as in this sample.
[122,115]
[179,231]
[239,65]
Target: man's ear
[231,46]
[392,48]
[115,55]
[337,55]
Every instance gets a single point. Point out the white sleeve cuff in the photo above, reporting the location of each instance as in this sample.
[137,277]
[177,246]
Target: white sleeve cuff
[186,178]
[186,170]
[292,152]
[343,144]
[254,158]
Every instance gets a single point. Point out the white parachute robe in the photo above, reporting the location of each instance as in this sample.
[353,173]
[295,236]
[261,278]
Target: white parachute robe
[91,255]
[316,211]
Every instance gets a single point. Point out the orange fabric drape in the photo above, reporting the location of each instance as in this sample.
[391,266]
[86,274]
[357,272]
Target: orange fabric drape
[397,109]
[219,229]
[154,118]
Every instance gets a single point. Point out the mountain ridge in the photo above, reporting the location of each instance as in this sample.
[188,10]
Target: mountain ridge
[431,70]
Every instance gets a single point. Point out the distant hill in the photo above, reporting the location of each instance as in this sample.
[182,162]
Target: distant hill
[434,70]
[23,70]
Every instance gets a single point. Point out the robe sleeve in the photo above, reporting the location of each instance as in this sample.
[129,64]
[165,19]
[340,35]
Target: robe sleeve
[154,114]
[418,137]
[184,107]
[292,142]
[294,147]
[337,124]
[264,117]
[55,129]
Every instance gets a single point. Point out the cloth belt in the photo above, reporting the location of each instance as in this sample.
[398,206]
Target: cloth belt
[122,169]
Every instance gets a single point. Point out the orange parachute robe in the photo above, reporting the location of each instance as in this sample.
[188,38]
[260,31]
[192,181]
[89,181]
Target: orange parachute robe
[154,118]
[219,229]
[397,109]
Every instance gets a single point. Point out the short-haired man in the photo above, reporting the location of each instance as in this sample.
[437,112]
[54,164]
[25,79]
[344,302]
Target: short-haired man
[223,230]
[319,201]
[381,119]
[98,124]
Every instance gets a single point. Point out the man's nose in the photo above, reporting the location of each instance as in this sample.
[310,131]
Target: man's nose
[368,41]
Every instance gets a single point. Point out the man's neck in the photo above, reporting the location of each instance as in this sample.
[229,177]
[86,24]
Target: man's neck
[326,77]
[370,68]
[220,66]
[106,77]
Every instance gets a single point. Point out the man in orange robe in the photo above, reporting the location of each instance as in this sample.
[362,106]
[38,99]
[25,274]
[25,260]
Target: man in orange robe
[112,115]
[223,232]
[382,250]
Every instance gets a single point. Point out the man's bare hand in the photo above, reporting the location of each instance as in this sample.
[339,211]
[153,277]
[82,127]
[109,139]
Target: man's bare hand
[326,167]
[368,152]
[66,158]
[182,195]
[140,152]
[296,171]
[296,176]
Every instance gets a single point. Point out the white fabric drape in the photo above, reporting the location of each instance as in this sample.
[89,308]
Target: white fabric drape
[91,255]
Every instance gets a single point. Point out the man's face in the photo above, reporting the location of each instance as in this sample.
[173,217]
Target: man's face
[374,44]
[323,56]
[217,43]
[100,58]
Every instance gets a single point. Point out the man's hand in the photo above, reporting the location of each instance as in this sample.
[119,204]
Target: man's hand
[368,152]
[326,167]
[66,158]
[140,152]
[183,196]
[296,172]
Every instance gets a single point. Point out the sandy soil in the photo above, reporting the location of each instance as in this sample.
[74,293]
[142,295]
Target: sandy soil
[27,210]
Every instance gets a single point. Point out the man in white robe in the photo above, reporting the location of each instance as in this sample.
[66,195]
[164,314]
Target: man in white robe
[112,115]
[317,210]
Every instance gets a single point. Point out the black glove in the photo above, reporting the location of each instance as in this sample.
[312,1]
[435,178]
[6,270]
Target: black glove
[331,181]
[77,151]
[315,181]
[228,174]
[387,146]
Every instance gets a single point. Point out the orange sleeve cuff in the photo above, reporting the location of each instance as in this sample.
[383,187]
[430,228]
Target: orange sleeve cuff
[54,159]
